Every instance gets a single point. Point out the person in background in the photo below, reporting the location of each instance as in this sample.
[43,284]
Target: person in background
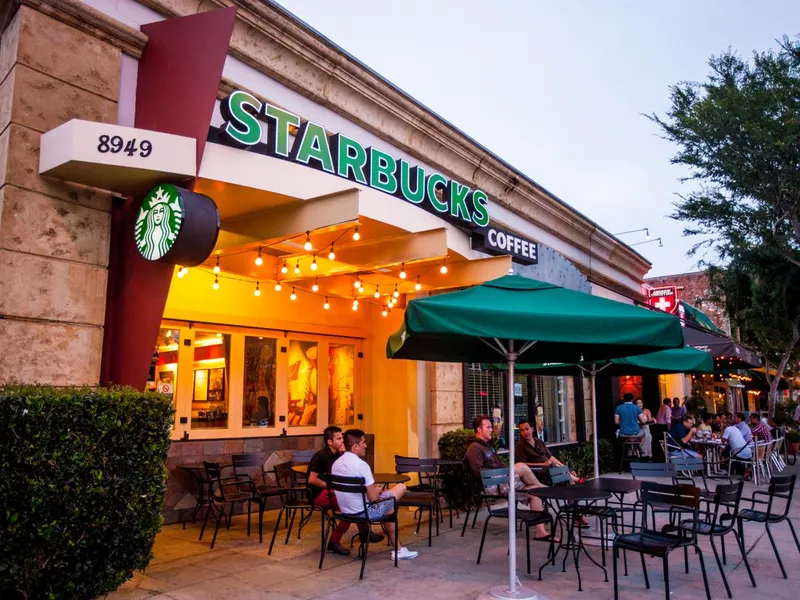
[705,424]
[664,416]
[352,464]
[743,428]
[678,410]
[647,442]
[683,433]
[629,417]
[797,414]
[533,452]
[759,429]
[480,455]
[716,424]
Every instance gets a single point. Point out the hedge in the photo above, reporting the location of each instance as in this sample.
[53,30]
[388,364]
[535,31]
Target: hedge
[82,488]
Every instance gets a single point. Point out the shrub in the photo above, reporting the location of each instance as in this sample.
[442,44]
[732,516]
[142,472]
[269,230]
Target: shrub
[793,436]
[82,488]
[453,444]
[581,459]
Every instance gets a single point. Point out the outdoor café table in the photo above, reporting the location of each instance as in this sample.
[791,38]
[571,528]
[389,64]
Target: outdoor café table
[300,469]
[570,495]
[197,471]
[712,446]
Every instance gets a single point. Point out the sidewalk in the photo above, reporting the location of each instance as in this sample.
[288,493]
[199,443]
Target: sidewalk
[239,568]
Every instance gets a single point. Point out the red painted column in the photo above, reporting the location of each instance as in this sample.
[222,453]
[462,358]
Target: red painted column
[178,79]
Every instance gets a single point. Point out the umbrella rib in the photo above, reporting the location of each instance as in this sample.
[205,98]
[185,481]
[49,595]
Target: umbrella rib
[527,347]
[499,348]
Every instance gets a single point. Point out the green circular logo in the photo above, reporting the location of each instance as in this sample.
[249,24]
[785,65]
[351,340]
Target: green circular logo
[159,221]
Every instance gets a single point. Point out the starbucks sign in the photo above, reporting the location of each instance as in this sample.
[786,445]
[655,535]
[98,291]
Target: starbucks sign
[159,221]
[176,226]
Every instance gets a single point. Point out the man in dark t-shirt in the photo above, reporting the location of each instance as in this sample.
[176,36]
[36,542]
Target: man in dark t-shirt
[533,451]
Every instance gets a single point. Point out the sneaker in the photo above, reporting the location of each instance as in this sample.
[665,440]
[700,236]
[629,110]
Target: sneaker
[335,548]
[403,554]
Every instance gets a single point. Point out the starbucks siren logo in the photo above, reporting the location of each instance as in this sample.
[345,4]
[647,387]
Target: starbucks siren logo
[159,221]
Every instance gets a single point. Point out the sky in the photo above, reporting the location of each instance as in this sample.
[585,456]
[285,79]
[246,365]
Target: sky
[559,89]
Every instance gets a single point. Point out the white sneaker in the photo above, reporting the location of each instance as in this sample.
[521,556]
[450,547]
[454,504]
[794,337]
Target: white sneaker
[404,553]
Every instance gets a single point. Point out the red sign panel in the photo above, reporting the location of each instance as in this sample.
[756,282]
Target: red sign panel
[664,298]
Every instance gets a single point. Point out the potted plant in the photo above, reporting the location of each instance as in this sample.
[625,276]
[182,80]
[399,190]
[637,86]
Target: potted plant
[792,441]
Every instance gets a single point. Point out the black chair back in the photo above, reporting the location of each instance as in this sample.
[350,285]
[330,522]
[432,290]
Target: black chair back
[640,470]
[726,505]
[348,485]
[407,464]
[248,463]
[687,468]
[781,486]
[560,475]
[214,476]
[656,496]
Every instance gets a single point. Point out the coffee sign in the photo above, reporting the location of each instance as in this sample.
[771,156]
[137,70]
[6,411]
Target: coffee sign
[501,242]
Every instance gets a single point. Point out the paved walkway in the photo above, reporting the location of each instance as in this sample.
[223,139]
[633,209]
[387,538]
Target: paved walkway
[239,568]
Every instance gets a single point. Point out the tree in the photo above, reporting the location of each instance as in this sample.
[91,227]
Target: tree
[739,135]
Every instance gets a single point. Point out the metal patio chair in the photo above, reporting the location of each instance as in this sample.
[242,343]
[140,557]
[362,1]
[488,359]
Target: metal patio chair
[425,495]
[226,492]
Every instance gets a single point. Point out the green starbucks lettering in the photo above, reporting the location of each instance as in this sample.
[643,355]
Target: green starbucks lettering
[159,221]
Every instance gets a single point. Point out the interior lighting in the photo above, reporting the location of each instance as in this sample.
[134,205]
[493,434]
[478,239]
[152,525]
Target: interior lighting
[297,267]
[284,268]
[315,287]
[403,273]
[331,254]
[418,285]
[314,264]
[259,260]
[307,246]
[257,291]
[356,234]
[443,268]
[395,293]
[216,266]
[377,293]
[293,296]
[215,285]
[327,304]
[169,333]
[219,335]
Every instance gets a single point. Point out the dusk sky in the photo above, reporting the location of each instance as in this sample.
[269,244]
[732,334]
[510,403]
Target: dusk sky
[558,89]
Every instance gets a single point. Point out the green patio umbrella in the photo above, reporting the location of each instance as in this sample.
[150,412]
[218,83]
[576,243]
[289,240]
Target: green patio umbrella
[514,317]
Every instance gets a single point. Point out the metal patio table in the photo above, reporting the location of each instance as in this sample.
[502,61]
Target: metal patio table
[197,471]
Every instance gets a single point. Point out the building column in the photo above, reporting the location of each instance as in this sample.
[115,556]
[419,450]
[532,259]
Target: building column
[447,400]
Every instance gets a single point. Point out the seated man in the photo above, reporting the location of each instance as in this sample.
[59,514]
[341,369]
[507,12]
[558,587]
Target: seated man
[533,452]
[629,417]
[743,428]
[683,432]
[759,429]
[351,464]
[480,455]
[736,446]
[316,481]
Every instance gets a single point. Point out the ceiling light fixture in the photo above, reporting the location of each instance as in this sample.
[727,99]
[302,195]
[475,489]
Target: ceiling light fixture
[403,273]
[297,267]
[285,268]
[315,287]
[257,291]
[418,285]
[356,234]
[259,260]
[215,285]
[443,268]
[331,254]
[216,266]
[307,246]
[314,264]
[327,304]
[293,296]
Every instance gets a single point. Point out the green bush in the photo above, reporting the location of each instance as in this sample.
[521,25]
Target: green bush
[793,436]
[82,488]
[581,459]
[453,444]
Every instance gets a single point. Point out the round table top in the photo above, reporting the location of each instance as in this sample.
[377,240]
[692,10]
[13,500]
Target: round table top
[707,442]
[615,485]
[302,469]
[571,493]
[387,478]
[199,466]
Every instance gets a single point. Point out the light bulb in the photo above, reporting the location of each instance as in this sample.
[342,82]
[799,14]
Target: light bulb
[257,291]
[356,234]
[361,290]
[307,246]
[278,286]
[357,284]
[293,296]
[315,287]
[391,302]
[327,305]
[355,302]
[297,268]
[403,274]
[259,260]
[331,254]
[395,293]
[418,285]
[384,312]
[377,293]
[314,264]
[180,273]
[284,268]
[443,268]
[215,285]
[355,306]
[216,266]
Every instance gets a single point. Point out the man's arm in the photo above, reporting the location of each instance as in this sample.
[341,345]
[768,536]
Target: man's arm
[313,479]
[688,436]
[373,492]
[616,419]
[474,458]
[642,418]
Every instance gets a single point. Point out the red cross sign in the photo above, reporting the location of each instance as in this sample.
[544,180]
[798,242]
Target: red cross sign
[664,298]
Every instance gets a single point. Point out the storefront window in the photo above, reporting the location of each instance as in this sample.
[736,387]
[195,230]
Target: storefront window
[210,384]
[258,409]
[303,382]
[164,368]
[341,384]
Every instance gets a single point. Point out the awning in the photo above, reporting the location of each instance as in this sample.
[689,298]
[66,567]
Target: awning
[727,354]
[692,314]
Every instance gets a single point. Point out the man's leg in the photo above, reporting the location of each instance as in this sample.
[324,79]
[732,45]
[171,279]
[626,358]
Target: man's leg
[529,481]
[325,501]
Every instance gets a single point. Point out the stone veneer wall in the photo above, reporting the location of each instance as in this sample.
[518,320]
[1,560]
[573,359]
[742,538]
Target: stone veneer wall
[446,400]
[54,237]
[181,487]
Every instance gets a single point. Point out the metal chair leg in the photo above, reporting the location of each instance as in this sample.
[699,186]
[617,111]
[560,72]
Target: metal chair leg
[230,516]
[205,520]
[275,531]
[724,557]
[703,570]
[775,549]
[614,557]
[740,543]
[248,518]
[291,524]
[719,564]
[666,575]
[466,520]
[483,537]
[325,531]
[528,547]
[796,542]
[364,551]
[216,528]
[686,558]
[431,517]
[644,570]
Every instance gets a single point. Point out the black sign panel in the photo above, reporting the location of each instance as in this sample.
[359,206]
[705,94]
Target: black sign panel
[500,242]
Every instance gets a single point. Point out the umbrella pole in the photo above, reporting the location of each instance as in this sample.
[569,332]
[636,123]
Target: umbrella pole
[592,376]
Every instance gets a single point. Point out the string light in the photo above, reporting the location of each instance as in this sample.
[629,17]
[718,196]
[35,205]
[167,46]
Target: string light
[384,312]
[285,268]
[357,284]
[361,289]
[216,266]
[377,293]
[215,285]
[395,293]
[277,286]
[355,306]
[403,273]
[314,264]
[259,260]
[331,254]
[443,268]
[418,285]
[315,287]
[294,295]
[181,272]
[391,302]
[257,291]
[356,234]
[355,301]
[327,304]
[297,267]
[307,246]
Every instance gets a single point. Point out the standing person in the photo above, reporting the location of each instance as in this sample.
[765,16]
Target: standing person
[678,410]
[664,416]
[316,482]
[743,428]
[352,464]
[647,442]
[629,417]
[759,429]
[480,455]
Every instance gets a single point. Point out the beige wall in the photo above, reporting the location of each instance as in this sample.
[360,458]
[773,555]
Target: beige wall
[446,399]
[54,237]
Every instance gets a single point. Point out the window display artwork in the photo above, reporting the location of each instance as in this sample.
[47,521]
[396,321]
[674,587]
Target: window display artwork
[200,385]
[260,369]
[212,352]
[341,386]
[303,381]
